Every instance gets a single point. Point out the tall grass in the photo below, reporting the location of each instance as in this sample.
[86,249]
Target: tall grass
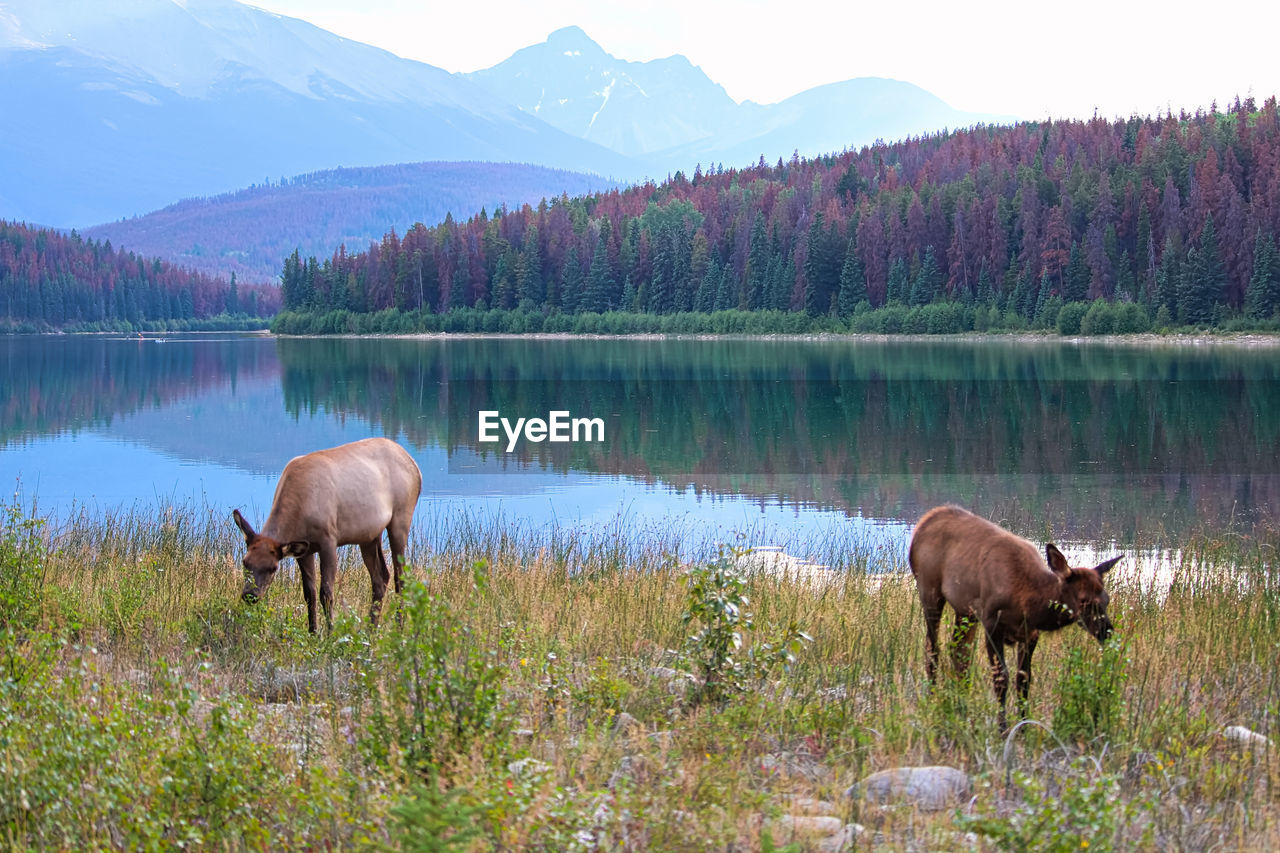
[143,705]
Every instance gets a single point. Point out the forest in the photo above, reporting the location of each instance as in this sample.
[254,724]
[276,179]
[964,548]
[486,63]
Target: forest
[51,280]
[1092,226]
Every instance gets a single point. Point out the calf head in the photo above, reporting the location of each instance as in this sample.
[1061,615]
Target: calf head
[1083,595]
[263,558]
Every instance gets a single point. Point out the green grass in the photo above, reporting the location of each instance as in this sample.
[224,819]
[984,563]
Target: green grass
[143,706]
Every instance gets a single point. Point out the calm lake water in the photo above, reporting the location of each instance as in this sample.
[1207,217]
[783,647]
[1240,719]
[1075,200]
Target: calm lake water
[784,442]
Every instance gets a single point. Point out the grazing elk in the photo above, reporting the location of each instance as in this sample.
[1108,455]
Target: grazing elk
[345,495]
[991,576]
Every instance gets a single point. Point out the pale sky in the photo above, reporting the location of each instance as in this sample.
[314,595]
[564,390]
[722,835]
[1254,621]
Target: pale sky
[1013,57]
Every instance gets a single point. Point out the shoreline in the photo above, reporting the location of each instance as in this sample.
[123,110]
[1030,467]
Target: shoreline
[1242,339]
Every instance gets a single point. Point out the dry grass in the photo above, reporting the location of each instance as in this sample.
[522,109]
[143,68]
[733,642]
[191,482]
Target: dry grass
[140,609]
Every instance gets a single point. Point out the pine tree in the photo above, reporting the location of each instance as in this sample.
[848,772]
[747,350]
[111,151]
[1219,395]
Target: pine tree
[927,286]
[899,282]
[1203,279]
[572,283]
[599,280]
[531,286]
[758,265]
[853,282]
[1262,301]
[1075,283]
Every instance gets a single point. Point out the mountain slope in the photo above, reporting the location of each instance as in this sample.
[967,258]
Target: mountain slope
[634,108]
[124,107]
[250,231]
[671,115]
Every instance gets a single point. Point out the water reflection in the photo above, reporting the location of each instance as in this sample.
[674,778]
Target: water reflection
[796,437]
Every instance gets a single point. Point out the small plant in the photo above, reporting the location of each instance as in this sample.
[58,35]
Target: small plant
[435,685]
[1084,811]
[1089,699]
[431,818]
[716,607]
[23,561]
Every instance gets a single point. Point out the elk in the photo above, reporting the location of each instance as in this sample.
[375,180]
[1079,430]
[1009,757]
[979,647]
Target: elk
[345,495]
[989,575]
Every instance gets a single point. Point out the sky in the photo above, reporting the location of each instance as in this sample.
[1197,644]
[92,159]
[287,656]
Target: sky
[1028,60]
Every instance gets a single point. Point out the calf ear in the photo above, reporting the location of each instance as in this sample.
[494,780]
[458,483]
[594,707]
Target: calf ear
[1103,568]
[296,549]
[1057,562]
[247,529]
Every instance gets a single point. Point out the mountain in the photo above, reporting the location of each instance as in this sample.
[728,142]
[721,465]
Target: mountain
[634,108]
[122,107]
[670,115]
[250,231]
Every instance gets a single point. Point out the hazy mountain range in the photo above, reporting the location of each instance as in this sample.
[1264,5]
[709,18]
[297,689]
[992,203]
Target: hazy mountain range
[114,108]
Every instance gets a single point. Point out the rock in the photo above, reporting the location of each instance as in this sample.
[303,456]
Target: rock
[928,788]
[808,805]
[678,683]
[788,764]
[632,768]
[528,767]
[625,724]
[1246,737]
[842,840]
[831,834]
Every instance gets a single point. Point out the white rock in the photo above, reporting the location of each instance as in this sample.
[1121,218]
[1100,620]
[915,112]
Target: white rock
[1245,737]
[929,788]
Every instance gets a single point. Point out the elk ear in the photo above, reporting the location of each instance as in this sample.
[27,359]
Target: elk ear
[245,527]
[296,549]
[1103,568]
[1057,562]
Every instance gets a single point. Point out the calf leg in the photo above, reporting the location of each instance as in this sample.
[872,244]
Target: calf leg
[328,575]
[932,617]
[1023,677]
[962,644]
[307,568]
[999,673]
[376,562]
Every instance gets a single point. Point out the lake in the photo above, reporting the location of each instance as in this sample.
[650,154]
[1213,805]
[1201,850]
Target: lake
[779,442]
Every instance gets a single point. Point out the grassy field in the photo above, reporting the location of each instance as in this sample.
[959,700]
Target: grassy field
[535,691]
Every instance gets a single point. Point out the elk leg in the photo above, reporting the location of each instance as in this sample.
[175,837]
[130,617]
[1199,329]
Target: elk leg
[999,673]
[1023,678]
[376,562]
[962,644]
[932,617]
[398,539]
[328,574]
[307,568]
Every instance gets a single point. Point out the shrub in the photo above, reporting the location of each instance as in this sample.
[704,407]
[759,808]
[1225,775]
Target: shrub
[716,607]
[1070,317]
[1099,319]
[434,684]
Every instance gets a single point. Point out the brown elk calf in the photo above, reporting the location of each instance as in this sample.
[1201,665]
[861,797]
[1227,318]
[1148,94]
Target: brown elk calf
[345,495]
[991,576]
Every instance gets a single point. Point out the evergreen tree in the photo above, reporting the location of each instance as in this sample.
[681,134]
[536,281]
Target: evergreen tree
[572,283]
[758,265]
[1203,279]
[531,286]
[233,297]
[1169,276]
[899,282]
[1262,301]
[853,282]
[1075,283]
[599,281]
[927,286]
